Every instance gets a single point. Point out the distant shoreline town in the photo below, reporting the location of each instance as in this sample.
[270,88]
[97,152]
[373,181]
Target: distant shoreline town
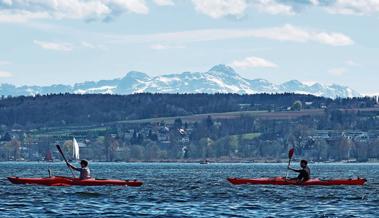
[190,127]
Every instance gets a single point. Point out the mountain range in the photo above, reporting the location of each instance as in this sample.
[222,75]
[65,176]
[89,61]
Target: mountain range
[219,79]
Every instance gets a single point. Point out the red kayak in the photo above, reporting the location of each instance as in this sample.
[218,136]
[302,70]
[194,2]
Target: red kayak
[67,181]
[284,181]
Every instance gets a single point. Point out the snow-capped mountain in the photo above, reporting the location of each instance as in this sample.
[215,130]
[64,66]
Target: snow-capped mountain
[219,79]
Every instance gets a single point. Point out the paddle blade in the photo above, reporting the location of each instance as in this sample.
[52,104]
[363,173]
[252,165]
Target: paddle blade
[64,158]
[61,152]
[290,153]
[59,148]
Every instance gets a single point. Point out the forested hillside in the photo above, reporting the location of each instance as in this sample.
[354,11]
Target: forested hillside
[69,109]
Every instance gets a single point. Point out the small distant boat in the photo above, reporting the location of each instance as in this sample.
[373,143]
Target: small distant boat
[48,156]
[204,162]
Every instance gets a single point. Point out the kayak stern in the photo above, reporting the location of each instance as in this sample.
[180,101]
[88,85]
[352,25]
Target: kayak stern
[284,181]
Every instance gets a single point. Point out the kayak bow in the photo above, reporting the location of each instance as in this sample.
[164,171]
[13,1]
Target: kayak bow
[67,181]
[284,181]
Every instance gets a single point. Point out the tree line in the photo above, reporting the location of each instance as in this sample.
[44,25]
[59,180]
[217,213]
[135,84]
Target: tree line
[75,109]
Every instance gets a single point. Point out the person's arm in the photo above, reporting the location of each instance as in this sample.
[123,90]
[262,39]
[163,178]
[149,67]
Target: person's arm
[295,170]
[73,167]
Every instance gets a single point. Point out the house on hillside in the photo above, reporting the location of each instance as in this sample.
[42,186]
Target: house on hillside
[364,137]
[373,134]
[244,106]
[320,134]
[355,135]
[185,139]
[163,137]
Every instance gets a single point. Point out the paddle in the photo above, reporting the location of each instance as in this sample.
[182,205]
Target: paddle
[290,154]
[64,158]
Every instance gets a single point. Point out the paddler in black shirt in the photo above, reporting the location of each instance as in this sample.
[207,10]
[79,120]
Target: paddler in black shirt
[304,172]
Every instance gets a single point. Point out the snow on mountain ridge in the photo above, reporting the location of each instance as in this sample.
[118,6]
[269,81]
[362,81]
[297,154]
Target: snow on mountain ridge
[219,79]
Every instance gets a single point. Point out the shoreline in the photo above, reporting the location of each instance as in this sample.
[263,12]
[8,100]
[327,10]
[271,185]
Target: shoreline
[209,161]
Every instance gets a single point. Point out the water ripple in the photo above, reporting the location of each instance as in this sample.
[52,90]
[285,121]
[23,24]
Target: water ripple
[189,190]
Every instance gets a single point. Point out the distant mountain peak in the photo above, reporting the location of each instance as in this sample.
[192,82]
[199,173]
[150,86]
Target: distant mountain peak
[219,79]
[293,82]
[223,69]
[136,75]
[316,85]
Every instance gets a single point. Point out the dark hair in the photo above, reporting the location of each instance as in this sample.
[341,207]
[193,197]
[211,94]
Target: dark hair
[304,161]
[84,162]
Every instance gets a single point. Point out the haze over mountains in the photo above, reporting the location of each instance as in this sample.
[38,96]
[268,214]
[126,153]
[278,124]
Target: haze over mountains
[219,79]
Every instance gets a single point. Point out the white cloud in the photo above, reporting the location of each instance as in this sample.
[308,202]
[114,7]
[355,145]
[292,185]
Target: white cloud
[237,8]
[26,10]
[337,71]
[164,2]
[9,16]
[336,39]
[347,7]
[87,44]
[54,45]
[251,62]
[284,33]
[273,7]
[340,71]
[136,6]
[296,34]
[354,7]
[314,2]
[65,46]
[351,63]
[5,74]
[164,47]
[90,45]
[7,2]
[158,47]
[2,63]
[221,8]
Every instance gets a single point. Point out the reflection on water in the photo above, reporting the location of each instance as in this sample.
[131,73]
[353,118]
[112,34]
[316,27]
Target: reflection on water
[189,190]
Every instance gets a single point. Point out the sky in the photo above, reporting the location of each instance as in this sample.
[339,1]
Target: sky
[44,42]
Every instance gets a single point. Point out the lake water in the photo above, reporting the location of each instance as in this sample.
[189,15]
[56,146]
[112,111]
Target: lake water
[189,190]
